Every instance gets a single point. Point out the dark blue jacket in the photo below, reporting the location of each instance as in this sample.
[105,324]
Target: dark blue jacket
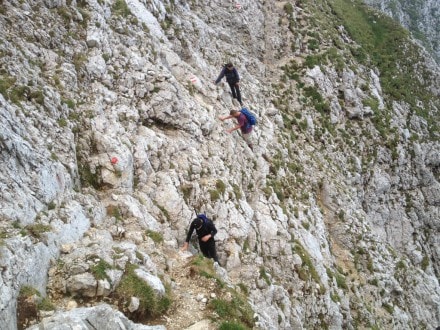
[232,76]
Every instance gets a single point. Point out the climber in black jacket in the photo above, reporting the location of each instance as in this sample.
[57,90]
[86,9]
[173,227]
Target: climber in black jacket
[205,232]
[232,79]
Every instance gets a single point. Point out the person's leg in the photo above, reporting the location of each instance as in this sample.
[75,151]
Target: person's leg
[237,90]
[204,248]
[211,249]
[232,87]
[248,138]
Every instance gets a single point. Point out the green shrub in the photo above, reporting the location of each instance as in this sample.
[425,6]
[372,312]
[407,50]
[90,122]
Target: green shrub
[335,297]
[340,281]
[288,8]
[38,96]
[5,84]
[425,263]
[400,265]
[120,8]
[89,178]
[18,94]
[214,195]
[221,187]
[62,122]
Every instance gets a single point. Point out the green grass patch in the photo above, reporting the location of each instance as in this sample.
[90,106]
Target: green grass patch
[29,291]
[89,177]
[186,191]
[120,8]
[37,229]
[340,281]
[18,94]
[235,312]
[425,262]
[155,236]
[114,211]
[389,308]
[237,191]
[386,45]
[70,103]
[46,305]
[221,187]
[232,326]
[99,269]
[132,286]
[308,269]
[6,83]
[214,195]
[205,268]
[37,96]
[264,275]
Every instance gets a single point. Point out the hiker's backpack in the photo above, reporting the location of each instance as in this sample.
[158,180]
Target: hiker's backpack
[251,119]
[203,217]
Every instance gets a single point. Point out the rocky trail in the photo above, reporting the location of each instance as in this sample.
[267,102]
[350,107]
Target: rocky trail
[110,137]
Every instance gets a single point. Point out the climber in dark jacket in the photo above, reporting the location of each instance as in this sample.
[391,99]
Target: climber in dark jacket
[232,79]
[205,230]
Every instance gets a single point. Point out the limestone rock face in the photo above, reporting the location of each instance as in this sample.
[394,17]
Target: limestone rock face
[111,142]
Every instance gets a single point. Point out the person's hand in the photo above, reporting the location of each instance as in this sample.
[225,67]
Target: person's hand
[222,118]
[229,131]
[237,83]
[206,238]
[184,247]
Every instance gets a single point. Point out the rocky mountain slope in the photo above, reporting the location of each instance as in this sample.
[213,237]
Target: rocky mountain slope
[422,18]
[110,139]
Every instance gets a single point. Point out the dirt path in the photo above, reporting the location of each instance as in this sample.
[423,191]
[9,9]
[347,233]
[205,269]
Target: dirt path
[191,294]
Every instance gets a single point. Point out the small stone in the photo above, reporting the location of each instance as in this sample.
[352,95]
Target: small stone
[71,305]
[44,314]
[66,248]
[115,197]
[213,295]
[204,300]
[199,297]
[134,304]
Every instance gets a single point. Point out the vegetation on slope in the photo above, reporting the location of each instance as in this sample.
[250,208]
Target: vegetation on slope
[386,45]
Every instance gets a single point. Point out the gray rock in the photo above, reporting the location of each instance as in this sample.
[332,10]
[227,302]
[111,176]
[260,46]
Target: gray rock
[98,317]
[82,285]
[151,280]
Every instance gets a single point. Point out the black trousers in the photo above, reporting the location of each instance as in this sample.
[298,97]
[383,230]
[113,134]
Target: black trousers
[235,89]
[208,249]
